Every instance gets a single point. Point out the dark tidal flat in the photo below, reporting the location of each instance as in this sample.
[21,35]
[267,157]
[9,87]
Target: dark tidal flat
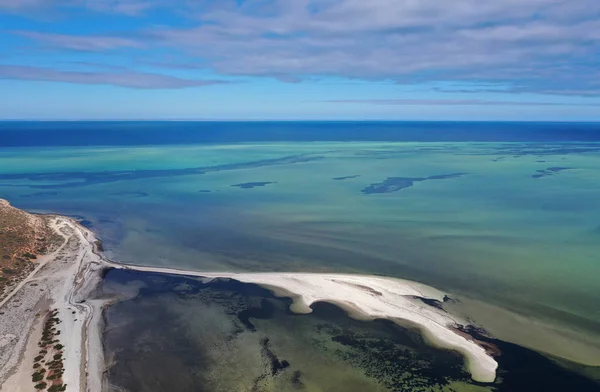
[180,334]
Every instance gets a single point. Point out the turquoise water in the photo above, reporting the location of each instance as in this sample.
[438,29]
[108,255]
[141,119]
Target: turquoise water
[180,334]
[515,224]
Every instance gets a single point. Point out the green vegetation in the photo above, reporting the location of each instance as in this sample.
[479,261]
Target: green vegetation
[37,376]
[50,346]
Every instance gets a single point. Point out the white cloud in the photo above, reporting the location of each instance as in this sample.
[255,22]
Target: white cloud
[532,45]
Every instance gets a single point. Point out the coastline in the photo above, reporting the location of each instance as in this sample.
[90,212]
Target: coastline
[366,297]
[75,270]
[60,283]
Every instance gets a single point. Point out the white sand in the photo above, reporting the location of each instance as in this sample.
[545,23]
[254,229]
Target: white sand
[60,281]
[368,297]
[64,280]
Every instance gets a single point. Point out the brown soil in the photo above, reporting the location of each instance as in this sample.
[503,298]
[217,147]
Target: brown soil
[23,237]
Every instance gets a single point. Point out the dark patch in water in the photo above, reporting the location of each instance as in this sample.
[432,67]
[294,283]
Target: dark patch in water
[82,221]
[276,364]
[105,272]
[345,178]
[391,184]
[524,370]
[154,352]
[105,220]
[549,171]
[204,191]
[250,185]
[264,312]
[40,194]
[394,184]
[397,357]
[296,379]
[542,150]
[130,194]
[83,179]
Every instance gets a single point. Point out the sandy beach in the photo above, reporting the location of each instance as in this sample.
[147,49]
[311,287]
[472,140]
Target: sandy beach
[60,282]
[63,280]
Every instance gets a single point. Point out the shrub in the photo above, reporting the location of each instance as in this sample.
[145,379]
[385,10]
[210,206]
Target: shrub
[41,385]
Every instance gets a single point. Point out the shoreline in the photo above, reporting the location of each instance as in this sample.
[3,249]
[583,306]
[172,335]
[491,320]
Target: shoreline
[76,269]
[58,286]
[365,297]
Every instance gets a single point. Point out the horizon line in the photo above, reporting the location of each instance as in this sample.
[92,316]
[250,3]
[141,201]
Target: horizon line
[306,120]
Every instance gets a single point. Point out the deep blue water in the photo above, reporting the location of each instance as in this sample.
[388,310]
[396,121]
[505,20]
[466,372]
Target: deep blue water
[128,133]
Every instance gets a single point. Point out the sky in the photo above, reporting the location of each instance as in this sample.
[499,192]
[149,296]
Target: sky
[300,59]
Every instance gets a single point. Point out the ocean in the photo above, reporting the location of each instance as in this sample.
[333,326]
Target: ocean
[506,216]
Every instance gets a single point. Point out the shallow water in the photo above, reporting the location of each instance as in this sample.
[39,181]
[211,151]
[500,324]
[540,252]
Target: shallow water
[516,224]
[180,334]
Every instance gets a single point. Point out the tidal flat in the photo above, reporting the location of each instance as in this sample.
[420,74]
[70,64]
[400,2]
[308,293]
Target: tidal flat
[169,332]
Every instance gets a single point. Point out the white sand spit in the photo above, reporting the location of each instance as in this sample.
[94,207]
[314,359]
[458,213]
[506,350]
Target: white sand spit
[368,297]
[64,280]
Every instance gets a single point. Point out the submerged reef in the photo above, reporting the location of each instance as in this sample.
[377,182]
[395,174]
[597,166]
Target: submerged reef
[394,184]
[250,185]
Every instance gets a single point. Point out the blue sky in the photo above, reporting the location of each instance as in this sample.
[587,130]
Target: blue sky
[300,59]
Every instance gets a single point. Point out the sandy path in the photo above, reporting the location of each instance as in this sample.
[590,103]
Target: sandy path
[61,281]
[41,263]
